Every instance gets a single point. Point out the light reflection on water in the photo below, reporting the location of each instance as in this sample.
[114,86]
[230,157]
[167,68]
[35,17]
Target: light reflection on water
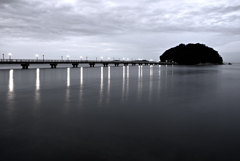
[67,96]
[123,85]
[81,86]
[101,89]
[150,83]
[11,82]
[108,85]
[127,86]
[139,89]
[37,92]
[11,94]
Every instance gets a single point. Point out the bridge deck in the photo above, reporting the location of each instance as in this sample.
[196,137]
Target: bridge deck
[53,63]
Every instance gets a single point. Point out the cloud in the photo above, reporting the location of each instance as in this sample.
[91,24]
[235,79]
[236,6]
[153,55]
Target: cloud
[59,19]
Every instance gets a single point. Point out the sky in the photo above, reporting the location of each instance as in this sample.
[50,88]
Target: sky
[113,29]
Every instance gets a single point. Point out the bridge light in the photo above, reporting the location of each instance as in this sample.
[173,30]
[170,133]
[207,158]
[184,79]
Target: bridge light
[67,57]
[9,55]
[37,56]
[81,58]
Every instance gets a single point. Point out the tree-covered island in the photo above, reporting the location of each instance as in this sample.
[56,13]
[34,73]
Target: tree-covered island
[191,54]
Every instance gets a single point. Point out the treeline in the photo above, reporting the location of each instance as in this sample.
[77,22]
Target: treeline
[191,54]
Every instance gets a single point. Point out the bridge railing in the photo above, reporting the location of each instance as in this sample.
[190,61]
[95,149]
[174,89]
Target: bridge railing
[71,61]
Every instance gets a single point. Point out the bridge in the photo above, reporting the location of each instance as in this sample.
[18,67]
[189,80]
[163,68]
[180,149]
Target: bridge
[53,63]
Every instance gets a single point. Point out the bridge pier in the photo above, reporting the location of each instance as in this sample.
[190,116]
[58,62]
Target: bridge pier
[116,64]
[133,64]
[92,64]
[53,65]
[24,66]
[75,65]
[105,64]
[139,63]
[125,64]
[146,63]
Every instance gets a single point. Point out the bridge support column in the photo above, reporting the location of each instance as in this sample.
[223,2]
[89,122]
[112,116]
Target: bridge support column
[116,64]
[133,64]
[92,64]
[139,63]
[75,65]
[53,65]
[125,64]
[105,64]
[146,63]
[24,66]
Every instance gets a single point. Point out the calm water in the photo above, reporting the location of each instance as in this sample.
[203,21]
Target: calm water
[120,113]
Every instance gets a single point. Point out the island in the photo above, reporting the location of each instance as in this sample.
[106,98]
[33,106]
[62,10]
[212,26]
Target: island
[191,54]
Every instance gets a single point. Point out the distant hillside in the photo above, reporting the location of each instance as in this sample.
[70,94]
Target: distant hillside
[191,54]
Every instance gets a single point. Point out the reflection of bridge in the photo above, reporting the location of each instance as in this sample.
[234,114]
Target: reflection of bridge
[53,63]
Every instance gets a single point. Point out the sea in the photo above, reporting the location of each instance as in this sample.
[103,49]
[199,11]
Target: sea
[130,113]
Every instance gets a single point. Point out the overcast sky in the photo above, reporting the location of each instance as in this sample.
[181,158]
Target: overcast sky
[117,29]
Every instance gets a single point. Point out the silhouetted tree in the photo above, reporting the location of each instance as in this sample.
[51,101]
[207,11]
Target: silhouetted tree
[191,54]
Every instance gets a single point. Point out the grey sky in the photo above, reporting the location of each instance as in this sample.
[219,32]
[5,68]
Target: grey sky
[116,29]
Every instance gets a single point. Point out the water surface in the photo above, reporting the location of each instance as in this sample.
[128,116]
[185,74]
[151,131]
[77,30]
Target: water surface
[120,113]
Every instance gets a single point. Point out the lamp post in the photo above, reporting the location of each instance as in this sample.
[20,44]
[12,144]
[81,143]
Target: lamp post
[67,57]
[96,58]
[3,56]
[81,58]
[101,58]
[86,57]
[37,57]
[62,57]
[123,59]
[43,58]
[108,58]
[9,55]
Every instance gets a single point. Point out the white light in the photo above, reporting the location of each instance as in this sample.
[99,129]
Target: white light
[67,55]
[36,55]
[10,54]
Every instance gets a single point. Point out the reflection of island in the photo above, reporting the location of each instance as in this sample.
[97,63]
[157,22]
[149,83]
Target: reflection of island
[191,54]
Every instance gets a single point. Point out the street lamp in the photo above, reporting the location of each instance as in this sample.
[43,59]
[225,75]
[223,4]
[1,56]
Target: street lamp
[108,58]
[43,57]
[37,57]
[62,57]
[67,57]
[101,58]
[3,56]
[81,58]
[9,55]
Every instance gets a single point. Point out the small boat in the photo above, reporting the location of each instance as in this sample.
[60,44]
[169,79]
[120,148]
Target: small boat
[229,63]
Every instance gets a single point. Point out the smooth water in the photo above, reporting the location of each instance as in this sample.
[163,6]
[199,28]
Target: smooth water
[120,113]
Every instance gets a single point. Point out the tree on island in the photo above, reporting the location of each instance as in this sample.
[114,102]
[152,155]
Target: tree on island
[191,54]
